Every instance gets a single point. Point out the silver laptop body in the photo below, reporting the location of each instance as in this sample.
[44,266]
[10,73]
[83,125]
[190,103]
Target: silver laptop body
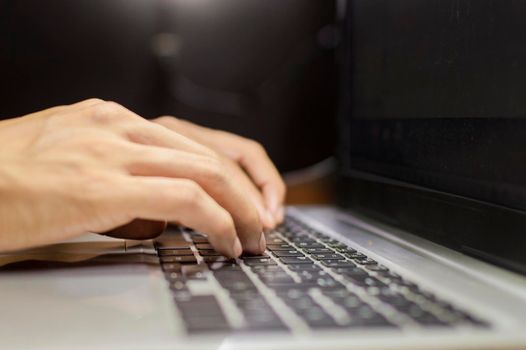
[126,301]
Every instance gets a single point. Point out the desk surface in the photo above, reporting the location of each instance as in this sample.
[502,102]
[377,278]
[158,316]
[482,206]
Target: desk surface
[316,191]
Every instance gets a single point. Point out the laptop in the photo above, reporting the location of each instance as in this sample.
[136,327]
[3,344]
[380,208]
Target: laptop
[427,248]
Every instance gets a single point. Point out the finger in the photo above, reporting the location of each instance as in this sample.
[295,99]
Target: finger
[211,175]
[180,200]
[247,153]
[255,196]
[253,158]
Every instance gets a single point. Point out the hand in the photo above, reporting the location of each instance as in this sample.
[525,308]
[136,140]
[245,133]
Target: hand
[250,166]
[94,166]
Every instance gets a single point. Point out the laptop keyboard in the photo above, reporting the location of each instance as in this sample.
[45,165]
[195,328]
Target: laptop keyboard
[305,280]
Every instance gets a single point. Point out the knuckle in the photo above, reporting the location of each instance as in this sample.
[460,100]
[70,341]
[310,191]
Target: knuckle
[115,106]
[97,149]
[164,120]
[107,113]
[190,193]
[103,148]
[215,172]
[93,100]
[256,147]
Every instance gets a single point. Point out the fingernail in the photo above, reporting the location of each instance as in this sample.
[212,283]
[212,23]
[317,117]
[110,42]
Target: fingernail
[262,243]
[238,249]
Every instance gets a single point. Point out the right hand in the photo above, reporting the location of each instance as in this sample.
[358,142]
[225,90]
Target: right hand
[94,166]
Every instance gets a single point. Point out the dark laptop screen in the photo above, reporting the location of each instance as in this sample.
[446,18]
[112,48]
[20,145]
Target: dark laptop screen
[435,100]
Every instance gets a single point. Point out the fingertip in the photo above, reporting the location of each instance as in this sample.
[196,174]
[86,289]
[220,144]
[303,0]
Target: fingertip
[262,243]
[237,248]
[269,220]
[280,215]
[266,218]
[272,200]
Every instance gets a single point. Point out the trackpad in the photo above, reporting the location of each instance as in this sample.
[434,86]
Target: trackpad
[65,304]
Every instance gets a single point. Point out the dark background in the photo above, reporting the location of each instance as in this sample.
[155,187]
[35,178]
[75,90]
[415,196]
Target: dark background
[262,69]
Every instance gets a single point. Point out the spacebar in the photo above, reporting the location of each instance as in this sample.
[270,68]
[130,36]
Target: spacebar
[202,314]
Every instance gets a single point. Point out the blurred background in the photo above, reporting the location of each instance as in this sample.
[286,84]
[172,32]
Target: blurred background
[264,69]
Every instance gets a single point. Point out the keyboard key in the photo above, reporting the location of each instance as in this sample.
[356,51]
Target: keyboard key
[204,246]
[318,251]
[267,275]
[352,271]
[234,281]
[421,316]
[328,240]
[296,260]
[389,276]
[259,261]
[311,274]
[407,285]
[300,301]
[377,268]
[171,244]
[337,263]
[304,240]
[279,247]
[303,245]
[365,282]
[291,293]
[202,314]
[254,257]
[350,302]
[179,259]
[365,261]
[337,245]
[327,282]
[264,321]
[171,267]
[208,252]
[339,294]
[178,285]
[229,265]
[366,317]
[280,281]
[316,317]
[199,239]
[328,257]
[176,252]
[303,267]
[345,250]
[259,269]
[287,253]
[355,255]
[195,272]
[257,312]
[218,259]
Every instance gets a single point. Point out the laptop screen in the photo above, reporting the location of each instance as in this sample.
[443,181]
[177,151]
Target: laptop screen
[435,100]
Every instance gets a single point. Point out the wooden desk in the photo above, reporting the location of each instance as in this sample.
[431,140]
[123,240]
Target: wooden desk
[317,191]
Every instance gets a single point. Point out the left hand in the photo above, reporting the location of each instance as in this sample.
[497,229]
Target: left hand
[250,165]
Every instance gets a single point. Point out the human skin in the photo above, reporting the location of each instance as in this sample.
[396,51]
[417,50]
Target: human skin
[95,166]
